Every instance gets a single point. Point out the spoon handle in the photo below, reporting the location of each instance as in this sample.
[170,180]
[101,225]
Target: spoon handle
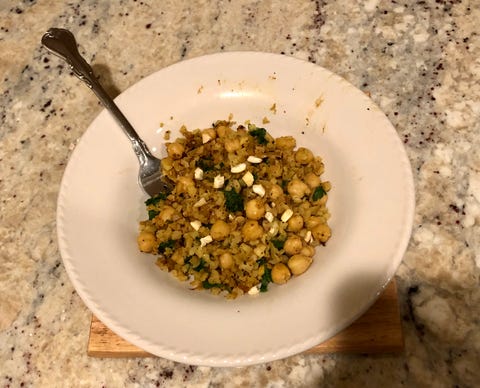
[62,43]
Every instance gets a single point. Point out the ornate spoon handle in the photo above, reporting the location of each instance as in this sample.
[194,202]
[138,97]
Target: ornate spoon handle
[62,43]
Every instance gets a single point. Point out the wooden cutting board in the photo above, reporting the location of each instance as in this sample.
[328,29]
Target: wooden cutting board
[379,330]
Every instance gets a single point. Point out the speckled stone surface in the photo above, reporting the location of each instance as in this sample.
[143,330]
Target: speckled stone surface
[420,62]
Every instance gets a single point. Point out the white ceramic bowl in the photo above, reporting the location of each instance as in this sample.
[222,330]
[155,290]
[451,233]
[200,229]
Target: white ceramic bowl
[371,202]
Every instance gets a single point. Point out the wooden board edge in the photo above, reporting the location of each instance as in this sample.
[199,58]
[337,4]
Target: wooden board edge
[378,331]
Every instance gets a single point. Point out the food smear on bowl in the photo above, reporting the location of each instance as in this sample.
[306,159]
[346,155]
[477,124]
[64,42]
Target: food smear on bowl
[247,210]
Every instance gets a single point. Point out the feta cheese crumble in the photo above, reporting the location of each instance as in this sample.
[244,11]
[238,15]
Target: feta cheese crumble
[287,214]
[259,189]
[238,168]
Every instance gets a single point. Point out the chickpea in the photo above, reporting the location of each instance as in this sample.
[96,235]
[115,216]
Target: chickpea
[293,245]
[312,180]
[220,229]
[167,163]
[146,241]
[303,155]
[210,132]
[275,169]
[275,192]
[280,273]
[232,144]
[297,189]
[318,167]
[185,184]
[166,213]
[175,150]
[295,224]
[178,256]
[226,260]
[321,232]
[312,222]
[285,143]
[298,264]
[222,130]
[307,250]
[252,230]
[255,209]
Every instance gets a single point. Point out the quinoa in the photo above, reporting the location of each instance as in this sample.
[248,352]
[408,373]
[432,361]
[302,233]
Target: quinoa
[247,209]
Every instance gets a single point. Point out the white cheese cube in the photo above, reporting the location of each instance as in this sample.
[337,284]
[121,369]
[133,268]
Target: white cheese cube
[248,178]
[259,189]
[287,214]
[269,216]
[198,174]
[254,159]
[238,168]
[205,240]
[196,224]
[218,181]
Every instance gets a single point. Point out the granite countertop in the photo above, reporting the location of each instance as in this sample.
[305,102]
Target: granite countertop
[419,60]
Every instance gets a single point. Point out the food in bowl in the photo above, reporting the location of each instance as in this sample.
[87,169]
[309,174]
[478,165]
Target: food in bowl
[247,210]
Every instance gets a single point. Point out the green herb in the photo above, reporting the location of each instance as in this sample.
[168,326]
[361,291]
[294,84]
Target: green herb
[318,193]
[259,134]
[156,199]
[207,285]
[284,183]
[278,244]
[187,259]
[166,244]
[201,266]
[206,164]
[152,214]
[233,201]
[261,261]
[266,278]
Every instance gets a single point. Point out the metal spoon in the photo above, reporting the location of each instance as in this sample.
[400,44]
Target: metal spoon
[62,43]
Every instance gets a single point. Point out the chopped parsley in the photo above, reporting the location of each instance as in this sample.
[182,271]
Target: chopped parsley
[152,214]
[156,199]
[318,193]
[266,278]
[200,266]
[206,164]
[166,244]
[279,244]
[261,261]
[233,201]
[259,134]
[207,285]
